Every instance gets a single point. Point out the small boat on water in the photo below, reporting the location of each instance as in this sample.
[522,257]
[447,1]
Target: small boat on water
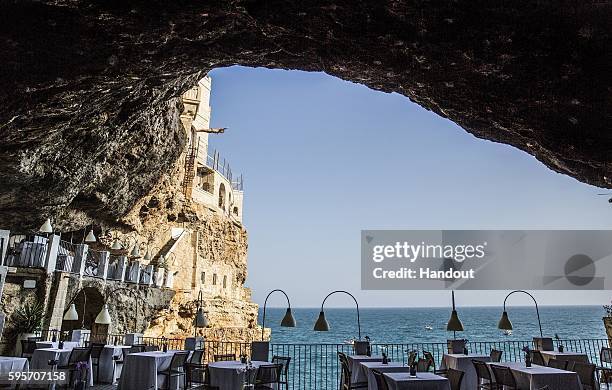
[507,333]
[428,327]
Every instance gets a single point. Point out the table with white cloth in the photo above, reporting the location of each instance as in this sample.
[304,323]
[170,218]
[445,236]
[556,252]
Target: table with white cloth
[12,364]
[106,363]
[367,368]
[422,381]
[41,357]
[463,362]
[231,375]
[536,377]
[358,375]
[55,344]
[140,371]
[568,356]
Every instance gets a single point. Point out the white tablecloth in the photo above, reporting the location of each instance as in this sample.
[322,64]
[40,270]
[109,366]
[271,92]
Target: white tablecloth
[41,357]
[462,362]
[12,364]
[140,371]
[565,356]
[423,381]
[55,344]
[105,371]
[366,369]
[354,361]
[230,375]
[536,377]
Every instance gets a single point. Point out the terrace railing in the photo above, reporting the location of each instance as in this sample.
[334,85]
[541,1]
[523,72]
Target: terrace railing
[26,251]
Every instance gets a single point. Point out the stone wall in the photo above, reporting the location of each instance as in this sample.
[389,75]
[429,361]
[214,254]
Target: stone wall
[608,324]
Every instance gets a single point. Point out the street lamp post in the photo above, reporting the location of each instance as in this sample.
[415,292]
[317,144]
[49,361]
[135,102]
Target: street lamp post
[288,320]
[504,321]
[323,326]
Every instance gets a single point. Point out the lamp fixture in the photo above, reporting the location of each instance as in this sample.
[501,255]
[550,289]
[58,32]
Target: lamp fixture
[323,326]
[288,321]
[90,237]
[46,227]
[504,322]
[71,314]
[103,318]
[454,323]
[200,320]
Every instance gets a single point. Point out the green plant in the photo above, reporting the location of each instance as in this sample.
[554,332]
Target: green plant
[28,317]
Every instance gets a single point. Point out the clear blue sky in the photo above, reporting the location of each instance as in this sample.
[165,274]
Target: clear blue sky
[324,158]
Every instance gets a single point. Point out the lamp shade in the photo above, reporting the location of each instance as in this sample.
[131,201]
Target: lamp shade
[103,317]
[454,323]
[321,325]
[116,245]
[147,255]
[200,320]
[504,322]
[71,314]
[135,251]
[46,227]
[90,236]
[288,320]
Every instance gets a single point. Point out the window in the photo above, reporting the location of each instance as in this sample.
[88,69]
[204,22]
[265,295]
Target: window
[222,196]
[224,281]
[203,277]
[235,210]
[214,279]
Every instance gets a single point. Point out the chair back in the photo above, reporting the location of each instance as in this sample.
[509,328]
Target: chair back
[605,355]
[96,350]
[455,346]
[455,377]
[345,378]
[503,376]
[228,357]
[556,363]
[361,347]
[423,365]
[482,370]
[28,347]
[543,344]
[79,354]
[381,382]
[136,348]
[429,356]
[268,374]
[496,355]
[586,373]
[196,356]
[151,348]
[284,361]
[178,360]
[537,358]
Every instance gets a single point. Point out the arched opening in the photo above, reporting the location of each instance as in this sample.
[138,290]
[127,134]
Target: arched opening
[88,303]
[235,210]
[222,196]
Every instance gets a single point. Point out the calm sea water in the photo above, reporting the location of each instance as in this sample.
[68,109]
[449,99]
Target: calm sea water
[408,325]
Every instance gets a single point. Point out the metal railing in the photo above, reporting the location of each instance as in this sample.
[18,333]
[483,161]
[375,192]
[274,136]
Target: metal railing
[66,255]
[92,264]
[26,251]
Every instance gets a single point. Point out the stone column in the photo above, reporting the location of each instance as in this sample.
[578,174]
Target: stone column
[4,239]
[57,313]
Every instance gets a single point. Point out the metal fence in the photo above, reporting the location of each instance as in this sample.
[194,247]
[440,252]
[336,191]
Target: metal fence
[26,251]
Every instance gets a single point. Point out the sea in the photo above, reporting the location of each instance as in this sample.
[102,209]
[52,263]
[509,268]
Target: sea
[423,325]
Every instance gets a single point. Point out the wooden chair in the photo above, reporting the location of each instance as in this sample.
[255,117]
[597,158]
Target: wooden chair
[176,368]
[556,363]
[268,377]
[345,378]
[483,374]
[228,357]
[96,351]
[194,365]
[136,348]
[77,355]
[496,355]
[504,378]
[27,348]
[586,373]
[423,365]
[455,377]
[381,381]
[284,360]
[429,356]
[537,358]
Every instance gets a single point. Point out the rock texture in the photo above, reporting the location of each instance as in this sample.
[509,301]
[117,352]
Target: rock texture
[89,90]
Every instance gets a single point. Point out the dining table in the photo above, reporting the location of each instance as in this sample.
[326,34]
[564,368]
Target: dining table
[463,362]
[354,361]
[568,356]
[13,364]
[42,356]
[140,371]
[537,377]
[367,369]
[233,374]
[55,344]
[422,381]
